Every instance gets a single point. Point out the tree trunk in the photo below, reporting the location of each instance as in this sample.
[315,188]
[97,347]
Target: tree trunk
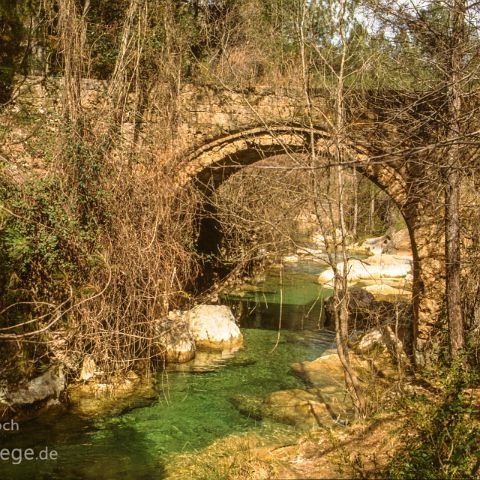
[452,187]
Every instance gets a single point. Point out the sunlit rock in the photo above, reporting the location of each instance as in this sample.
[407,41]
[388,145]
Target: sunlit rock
[300,407]
[383,339]
[375,245]
[323,371]
[318,239]
[88,368]
[175,341]
[121,393]
[384,290]
[213,326]
[49,385]
[303,408]
[375,267]
[369,341]
[290,258]
[395,243]
[399,243]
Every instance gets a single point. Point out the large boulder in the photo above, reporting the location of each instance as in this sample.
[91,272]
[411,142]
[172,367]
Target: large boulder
[175,341]
[396,243]
[369,341]
[376,245]
[302,408]
[44,387]
[375,267]
[213,326]
[43,395]
[383,339]
[122,393]
[323,371]
[326,374]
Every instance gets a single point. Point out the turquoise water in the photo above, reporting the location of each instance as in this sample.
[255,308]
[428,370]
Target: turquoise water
[193,407]
[293,288]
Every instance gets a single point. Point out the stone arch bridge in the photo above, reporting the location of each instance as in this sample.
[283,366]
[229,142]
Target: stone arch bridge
[221,131]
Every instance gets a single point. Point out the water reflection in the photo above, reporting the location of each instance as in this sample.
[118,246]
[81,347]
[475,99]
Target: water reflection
[194,406]
[84,451]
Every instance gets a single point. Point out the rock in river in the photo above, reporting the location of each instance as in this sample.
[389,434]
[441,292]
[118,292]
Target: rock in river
[49,385]
[303,408]
[375,267]
[175,341]
[213,326]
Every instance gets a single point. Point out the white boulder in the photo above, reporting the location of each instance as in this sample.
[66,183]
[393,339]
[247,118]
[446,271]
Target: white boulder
[376,267]
[399,243]
[49,385]
[376,245]
[393,243]
[88,368]
[213,326]
[369,341]
[175,341]
[386,290]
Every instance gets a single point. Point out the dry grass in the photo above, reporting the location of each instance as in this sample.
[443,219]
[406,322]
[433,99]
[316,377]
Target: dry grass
[236,457]
[361,450]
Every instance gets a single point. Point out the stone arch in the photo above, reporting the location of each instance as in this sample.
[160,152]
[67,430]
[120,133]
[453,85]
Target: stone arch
[228,153]
[215,160]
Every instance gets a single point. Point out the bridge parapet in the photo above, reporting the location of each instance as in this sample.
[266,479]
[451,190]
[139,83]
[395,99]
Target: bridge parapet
[207,112]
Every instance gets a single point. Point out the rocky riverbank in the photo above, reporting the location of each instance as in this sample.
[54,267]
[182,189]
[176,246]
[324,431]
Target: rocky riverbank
[180,337]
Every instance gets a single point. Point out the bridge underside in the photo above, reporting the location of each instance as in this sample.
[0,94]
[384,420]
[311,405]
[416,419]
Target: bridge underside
[215,161]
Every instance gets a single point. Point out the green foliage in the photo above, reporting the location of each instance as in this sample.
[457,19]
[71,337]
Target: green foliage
[44,246]
[446,439]
[105,27]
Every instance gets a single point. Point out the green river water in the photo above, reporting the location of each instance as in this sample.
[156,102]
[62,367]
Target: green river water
[193,406]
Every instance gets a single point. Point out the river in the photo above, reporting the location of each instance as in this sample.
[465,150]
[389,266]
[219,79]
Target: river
[193,404]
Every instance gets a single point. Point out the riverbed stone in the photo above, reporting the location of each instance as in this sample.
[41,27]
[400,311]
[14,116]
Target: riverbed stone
[48,385]
[385,290]
[324,371]
[88,369]
[175,341]
[375,267]
[122,393]
[302,408]
[213,326]
[249,406]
